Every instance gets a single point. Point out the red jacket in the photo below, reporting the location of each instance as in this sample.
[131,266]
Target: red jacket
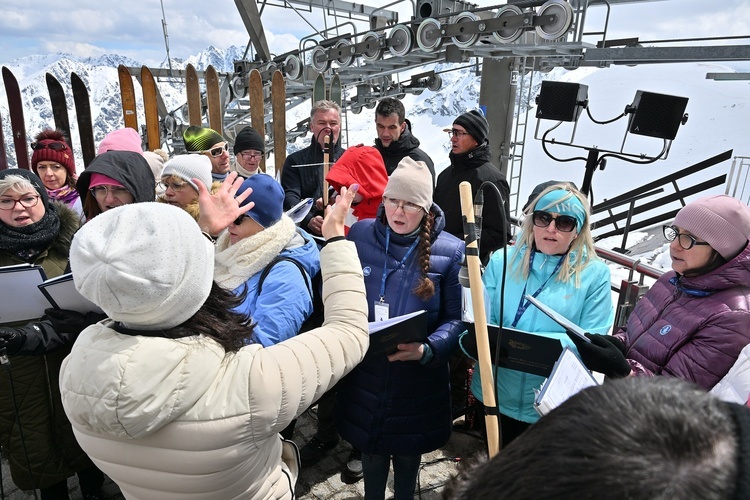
[361,165]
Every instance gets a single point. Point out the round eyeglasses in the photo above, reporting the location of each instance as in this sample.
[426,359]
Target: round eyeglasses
[456,132]
[247,155]
[686,241]
[563,223]
[27,201]
[394,204]
[118,192]
[176,186]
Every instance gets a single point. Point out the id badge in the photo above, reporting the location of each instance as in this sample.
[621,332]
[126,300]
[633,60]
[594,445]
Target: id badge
[381,311]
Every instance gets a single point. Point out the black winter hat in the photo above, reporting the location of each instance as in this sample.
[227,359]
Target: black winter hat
[249,138]
[475,124]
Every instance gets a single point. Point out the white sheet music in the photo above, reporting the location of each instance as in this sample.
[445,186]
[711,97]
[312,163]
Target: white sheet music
[568,377]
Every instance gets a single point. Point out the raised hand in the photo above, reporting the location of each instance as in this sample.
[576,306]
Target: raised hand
[333,224]
[220,209]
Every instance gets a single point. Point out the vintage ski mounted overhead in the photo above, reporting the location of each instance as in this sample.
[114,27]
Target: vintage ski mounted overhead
[278,107]
[213,97]
[83,117]
[257,108]
[17,123]
[334,91]
[3,156]
[151,108]
[319,89]
[59,105]
[127,95]
[193,90]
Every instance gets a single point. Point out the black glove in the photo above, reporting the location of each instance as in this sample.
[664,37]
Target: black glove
[615,342]
[603,356]
[66,321]
[12,339]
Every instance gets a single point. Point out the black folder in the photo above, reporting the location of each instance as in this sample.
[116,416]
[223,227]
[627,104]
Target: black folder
[523,351]
[386,335]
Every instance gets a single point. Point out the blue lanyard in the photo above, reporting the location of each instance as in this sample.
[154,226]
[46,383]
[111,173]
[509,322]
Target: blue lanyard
[523,304]
[385,264]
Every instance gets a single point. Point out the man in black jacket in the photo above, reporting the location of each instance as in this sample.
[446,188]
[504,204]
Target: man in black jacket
[302,173]
[395,140]
[471,162]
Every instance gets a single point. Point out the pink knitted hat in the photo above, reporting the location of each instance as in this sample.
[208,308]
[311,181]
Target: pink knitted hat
[720,220]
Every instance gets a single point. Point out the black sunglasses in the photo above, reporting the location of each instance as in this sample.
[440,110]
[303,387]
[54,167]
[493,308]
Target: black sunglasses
[54,146]
[563,223]
[239,219]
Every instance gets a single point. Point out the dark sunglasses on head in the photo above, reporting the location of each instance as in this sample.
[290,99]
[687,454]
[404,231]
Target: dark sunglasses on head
[563,223]
[54,146]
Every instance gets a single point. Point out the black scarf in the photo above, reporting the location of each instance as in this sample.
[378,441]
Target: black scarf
[28,242]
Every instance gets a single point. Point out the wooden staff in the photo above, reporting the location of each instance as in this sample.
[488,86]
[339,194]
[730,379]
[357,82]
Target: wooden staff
[480,321]
[326,160]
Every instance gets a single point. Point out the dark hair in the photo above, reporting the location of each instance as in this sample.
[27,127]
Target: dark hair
[388,106]
[715,261]
[90,206]
[217,319]
[425,288]
[650,437]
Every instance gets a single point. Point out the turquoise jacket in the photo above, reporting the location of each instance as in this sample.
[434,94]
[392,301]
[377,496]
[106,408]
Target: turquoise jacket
[589,306]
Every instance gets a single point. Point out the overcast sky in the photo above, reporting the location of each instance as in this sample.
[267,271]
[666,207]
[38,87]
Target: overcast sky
[134,27]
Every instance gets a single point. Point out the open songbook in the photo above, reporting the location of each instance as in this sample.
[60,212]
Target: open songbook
[569,376]
[386,335]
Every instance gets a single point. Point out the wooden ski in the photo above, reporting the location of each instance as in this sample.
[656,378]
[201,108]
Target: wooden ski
[17,123]
[319,89]
[127,96]
[213,96]
[3,156]
[193,95]
[334,91]
[83,117]
[148,84]
[257,110]
[278,107]
[59,105]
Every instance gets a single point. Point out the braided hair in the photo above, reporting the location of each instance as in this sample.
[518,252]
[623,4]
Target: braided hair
[425,288]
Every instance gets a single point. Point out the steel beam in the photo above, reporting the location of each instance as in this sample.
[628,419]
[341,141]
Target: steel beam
[248,10]
[648,55]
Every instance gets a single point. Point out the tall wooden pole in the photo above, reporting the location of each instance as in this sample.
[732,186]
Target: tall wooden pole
[480,321]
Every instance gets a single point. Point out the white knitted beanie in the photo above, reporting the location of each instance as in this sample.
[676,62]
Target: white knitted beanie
[412,182]
[146,265]
[188,167]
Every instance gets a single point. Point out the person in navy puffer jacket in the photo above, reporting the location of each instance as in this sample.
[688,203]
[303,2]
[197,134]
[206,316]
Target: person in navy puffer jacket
[398,406]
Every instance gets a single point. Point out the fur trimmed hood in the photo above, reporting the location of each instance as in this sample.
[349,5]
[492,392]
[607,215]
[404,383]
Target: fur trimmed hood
[70,221]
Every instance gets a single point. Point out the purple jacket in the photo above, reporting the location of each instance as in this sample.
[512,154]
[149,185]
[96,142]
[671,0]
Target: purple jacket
[679,330]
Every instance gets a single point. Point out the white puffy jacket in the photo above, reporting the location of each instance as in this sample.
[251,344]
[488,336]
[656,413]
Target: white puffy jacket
[181,419]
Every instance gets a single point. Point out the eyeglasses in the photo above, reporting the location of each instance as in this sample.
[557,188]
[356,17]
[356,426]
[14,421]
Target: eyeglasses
[563,223]
[393,204]
[176,186]
[215,152]
[54,146]
[26,201]
[457,133]
[686,241]
[117,191]
[246,155]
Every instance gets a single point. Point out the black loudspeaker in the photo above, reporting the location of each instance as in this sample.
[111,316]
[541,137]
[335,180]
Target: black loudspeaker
[656,115]
[561,101]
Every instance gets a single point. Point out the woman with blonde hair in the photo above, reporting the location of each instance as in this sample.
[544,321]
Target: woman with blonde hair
[553,260]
